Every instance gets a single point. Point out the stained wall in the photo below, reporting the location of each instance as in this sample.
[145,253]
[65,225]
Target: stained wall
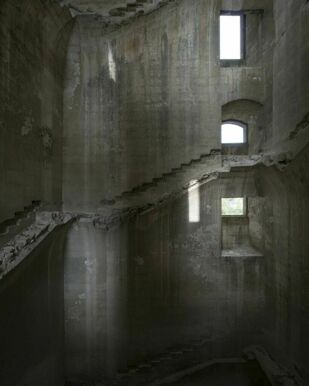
[148,97]
[32,50]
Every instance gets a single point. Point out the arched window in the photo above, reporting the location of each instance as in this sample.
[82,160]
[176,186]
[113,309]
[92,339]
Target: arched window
[233,132]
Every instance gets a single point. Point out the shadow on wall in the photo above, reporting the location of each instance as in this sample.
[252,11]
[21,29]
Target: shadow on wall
[32,319]
[160,281]
[95,301]
[286,256]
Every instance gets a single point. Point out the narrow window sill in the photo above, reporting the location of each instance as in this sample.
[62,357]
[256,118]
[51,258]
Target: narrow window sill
[232,63]
[241,252]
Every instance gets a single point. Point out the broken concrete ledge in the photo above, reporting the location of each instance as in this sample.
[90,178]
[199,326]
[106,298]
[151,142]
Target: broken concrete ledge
[21,245]
[15,225]
[277,374]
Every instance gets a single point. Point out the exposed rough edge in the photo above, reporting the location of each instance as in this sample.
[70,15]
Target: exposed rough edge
[16,250]
[301,126]
[119,16]
[277,374]
[283,153]
[23,219]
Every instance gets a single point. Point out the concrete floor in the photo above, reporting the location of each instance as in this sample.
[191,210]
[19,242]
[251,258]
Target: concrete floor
[248,374]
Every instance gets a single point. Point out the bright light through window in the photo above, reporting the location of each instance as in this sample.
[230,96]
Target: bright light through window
[194,202]
[232,133]
[111,65]
[233,207]
[230,37]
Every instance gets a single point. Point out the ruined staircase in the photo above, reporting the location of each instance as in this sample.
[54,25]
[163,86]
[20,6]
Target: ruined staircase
[169,185]
[138,7]
[187,359]
[110,14]
[21,220]
[172,360]
[203,169]
[181,175]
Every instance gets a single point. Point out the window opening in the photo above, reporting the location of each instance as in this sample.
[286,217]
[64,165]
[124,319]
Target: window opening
[233,206]
[231,37]
[232,132]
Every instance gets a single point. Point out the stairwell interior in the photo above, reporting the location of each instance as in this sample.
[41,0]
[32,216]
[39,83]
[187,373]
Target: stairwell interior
[137,246]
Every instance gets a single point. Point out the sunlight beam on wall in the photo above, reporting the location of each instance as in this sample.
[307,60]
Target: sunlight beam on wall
[194,202]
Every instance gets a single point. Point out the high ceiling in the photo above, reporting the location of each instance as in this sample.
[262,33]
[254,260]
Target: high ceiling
[114,11]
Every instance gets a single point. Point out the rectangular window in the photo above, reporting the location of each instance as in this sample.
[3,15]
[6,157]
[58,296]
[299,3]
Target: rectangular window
[231,37]
[194,202]
[233,206]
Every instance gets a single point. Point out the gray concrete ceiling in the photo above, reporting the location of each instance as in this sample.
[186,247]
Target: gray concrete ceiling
[113,10]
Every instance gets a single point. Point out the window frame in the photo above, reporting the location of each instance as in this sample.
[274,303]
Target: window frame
[230,62]
[237,123]
[245,200]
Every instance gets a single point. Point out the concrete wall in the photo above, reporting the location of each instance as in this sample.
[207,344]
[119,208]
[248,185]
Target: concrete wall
[287,251]
[147,97]
[144,99]
[138,101]
[32,50]
[287,192]
[32,317]
[158,282]
[180,288]
[290,69]
[95,301]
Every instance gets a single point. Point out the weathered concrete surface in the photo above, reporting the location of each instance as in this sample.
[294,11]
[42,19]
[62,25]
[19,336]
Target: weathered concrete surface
[177,279]
[290,70]
[144,99]
[95,301]
[138,101]
[113,11]
[32,50]
[286,252]
[160,275]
